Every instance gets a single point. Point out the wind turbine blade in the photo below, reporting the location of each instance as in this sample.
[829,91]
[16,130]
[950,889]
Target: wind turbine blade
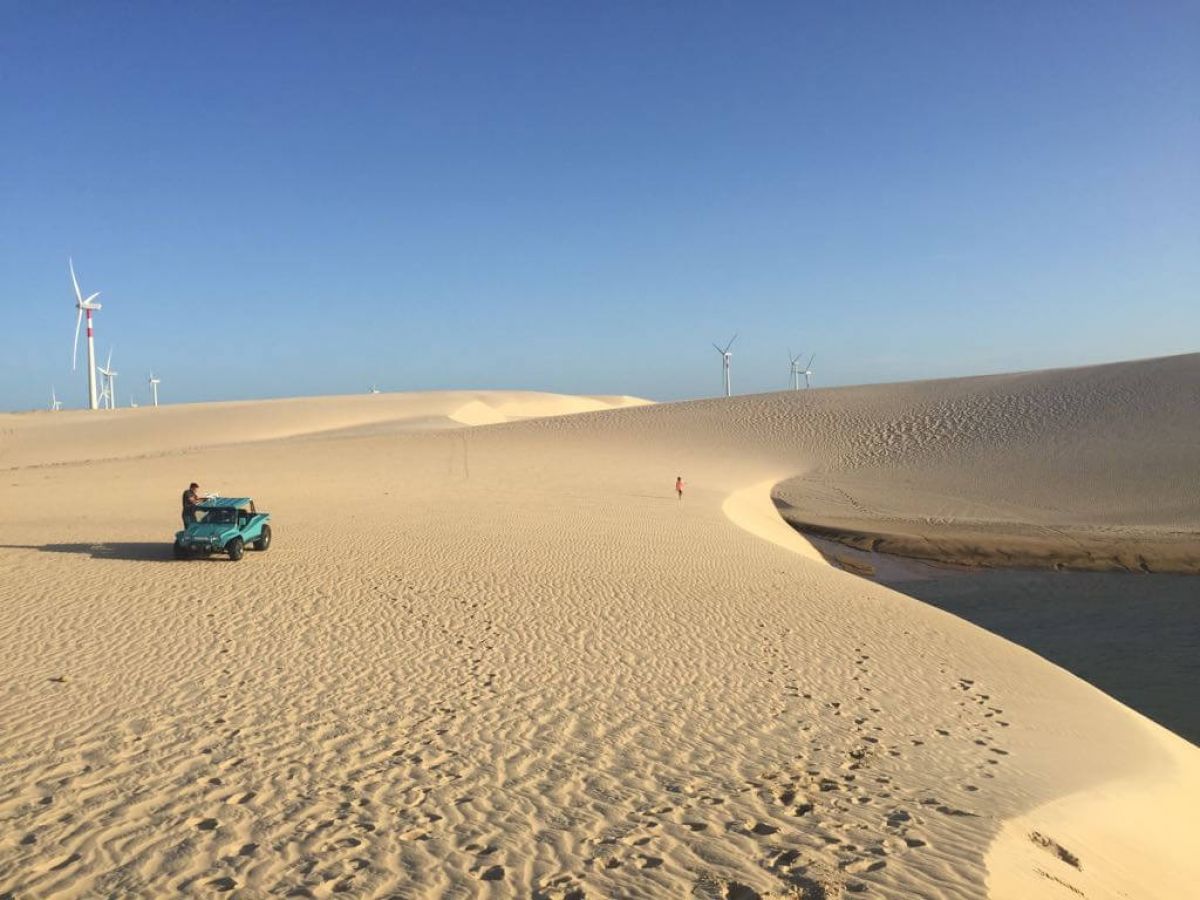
[810,359]
[89,300]
[718,349]
[74,280]
[75,349]
[730,344]
[108,364]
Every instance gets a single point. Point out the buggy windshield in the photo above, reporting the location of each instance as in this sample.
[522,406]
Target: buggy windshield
[224,515]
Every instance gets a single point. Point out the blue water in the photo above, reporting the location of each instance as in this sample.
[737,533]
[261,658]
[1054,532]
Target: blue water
[1136,637]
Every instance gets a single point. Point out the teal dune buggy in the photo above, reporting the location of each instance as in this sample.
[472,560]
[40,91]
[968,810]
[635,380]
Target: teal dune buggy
[224,525]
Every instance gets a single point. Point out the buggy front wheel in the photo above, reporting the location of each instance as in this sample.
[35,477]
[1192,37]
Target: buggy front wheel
[236,548]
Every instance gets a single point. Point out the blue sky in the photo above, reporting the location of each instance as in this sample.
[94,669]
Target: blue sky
[297,198]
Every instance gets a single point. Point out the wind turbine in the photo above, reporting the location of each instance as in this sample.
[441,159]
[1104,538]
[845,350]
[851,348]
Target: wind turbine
[85,306]
[796,370]
[55,403]
[154,382]
[807,371]
[726,359]
[110,374]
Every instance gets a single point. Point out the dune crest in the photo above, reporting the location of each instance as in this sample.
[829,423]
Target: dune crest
[75,436]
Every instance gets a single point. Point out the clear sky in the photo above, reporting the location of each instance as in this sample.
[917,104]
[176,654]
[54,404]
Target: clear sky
[304,198]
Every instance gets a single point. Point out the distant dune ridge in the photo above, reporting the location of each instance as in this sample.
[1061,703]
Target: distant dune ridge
[488,656]
[84,436]
[1092,468]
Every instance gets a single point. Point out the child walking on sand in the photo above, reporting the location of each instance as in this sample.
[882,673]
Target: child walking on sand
[679,486]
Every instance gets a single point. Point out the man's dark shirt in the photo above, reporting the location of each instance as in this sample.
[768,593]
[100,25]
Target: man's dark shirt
[190,501]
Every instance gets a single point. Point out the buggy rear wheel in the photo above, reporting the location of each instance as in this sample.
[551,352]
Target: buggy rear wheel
[264,539]
[236,548]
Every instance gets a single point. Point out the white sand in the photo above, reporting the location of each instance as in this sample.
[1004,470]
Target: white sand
[1091,468]
[504,660]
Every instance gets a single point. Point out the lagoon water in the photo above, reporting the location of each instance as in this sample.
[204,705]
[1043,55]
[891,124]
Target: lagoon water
[1134,636]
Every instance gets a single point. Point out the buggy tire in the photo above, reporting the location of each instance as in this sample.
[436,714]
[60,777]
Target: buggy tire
[235,548]
[180,551]
[263,541]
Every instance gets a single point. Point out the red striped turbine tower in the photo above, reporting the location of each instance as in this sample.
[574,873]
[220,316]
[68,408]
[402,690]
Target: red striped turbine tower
[85,306]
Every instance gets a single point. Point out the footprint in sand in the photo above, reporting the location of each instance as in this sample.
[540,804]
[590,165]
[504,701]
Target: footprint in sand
[561,887]
[735,890]
[762,829]
[951,811]
[860,866]
[1052,846]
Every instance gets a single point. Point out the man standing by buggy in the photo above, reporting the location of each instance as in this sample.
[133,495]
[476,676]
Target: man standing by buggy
[191,499]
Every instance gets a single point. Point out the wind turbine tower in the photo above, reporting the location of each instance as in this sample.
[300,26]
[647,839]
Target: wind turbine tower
[726,361]
[796,370]
[154,382]
[110,375]
[85,306]
[55,403]
[807,371]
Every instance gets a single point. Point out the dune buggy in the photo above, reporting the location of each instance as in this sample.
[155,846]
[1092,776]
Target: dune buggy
[224,525]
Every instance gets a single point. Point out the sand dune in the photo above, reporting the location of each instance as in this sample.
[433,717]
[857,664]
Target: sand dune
[43,438]
[1092,468]
[505,660]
